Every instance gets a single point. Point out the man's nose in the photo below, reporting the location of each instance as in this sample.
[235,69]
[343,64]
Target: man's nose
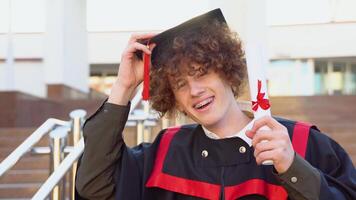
[196,88]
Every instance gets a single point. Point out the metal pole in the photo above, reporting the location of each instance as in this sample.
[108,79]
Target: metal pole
[77,117]
[147,134]
[58,136]
[140,131]
[146,130]
[165,122]
[63,144]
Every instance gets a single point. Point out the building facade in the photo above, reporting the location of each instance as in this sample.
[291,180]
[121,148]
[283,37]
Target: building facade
[78,43]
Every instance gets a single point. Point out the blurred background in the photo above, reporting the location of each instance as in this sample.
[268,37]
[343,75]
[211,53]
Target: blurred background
[61,55]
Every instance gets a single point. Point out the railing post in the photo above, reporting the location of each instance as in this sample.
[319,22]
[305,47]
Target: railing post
[58,142]
[165,122]
[140,131]
[77,117]
[147,134]
[146,129]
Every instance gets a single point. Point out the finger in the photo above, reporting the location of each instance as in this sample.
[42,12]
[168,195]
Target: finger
[152,46]
[138,46]
[136,36]
[266,155]
[266,146]
[252,134]
[265,121]
[263,135]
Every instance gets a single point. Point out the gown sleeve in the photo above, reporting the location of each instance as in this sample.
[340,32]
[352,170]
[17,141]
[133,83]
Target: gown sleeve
[327,172]
[104,146]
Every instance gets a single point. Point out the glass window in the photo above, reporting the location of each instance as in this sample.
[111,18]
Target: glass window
[352,82]
[339,67]
[353,68]
[320,67]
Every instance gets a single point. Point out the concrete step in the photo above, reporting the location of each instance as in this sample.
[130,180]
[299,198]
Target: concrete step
[32,162]
[23,190]
[16,131]
[14,141]
[25,176]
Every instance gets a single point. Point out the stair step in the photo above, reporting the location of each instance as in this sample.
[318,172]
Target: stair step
[32,162]
[16,131]
[23,190]
[14,141]
[25,176]
[4,152]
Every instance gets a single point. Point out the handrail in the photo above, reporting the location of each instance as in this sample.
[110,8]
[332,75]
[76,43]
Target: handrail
[25,146]
[136,100]
[62,169]
[137,117]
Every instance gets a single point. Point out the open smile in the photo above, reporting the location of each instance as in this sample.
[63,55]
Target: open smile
[204,104]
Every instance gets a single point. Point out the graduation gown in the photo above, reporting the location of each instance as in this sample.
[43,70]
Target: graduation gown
[183,163]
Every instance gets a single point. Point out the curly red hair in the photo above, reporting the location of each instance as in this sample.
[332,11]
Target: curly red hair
[212,47]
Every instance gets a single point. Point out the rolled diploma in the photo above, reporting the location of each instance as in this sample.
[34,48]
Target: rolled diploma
[255,69]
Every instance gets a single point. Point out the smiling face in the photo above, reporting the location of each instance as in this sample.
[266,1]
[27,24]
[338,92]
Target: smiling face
[212,48]
[206,97]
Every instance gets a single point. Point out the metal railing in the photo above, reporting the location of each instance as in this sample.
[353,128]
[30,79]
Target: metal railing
[63,156]
[25,146]
[58,131]
[58,174]
[60,171]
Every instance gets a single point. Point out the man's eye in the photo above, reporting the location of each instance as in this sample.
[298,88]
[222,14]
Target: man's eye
[200,75]
[180,84]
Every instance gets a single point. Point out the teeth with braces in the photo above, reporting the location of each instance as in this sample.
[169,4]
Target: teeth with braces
[203,103]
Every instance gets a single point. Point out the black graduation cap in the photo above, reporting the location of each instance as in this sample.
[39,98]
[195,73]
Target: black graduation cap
[165,39]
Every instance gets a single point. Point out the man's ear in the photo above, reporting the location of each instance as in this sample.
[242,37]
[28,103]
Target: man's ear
[181,110]
[179,107]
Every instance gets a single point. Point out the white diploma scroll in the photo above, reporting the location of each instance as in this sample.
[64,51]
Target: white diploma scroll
[258,84]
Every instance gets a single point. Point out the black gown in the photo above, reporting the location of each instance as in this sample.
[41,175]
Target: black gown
[175,167]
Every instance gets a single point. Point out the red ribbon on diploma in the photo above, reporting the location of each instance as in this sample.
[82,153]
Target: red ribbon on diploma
[261,102]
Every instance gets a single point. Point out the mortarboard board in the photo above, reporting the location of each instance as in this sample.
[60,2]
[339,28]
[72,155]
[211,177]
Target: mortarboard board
[165,40]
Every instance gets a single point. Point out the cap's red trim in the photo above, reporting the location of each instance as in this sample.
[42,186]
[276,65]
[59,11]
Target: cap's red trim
[300,138]
[146,76]
[176,184]
[257,187]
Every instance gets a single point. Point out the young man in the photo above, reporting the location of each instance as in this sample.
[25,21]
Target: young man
[197,69]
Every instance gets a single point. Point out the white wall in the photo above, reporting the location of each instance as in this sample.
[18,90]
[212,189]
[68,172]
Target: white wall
[111,22]
[29,78]
[139,15]
[288,12]
[310,41]
[65,55]
[106,47]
